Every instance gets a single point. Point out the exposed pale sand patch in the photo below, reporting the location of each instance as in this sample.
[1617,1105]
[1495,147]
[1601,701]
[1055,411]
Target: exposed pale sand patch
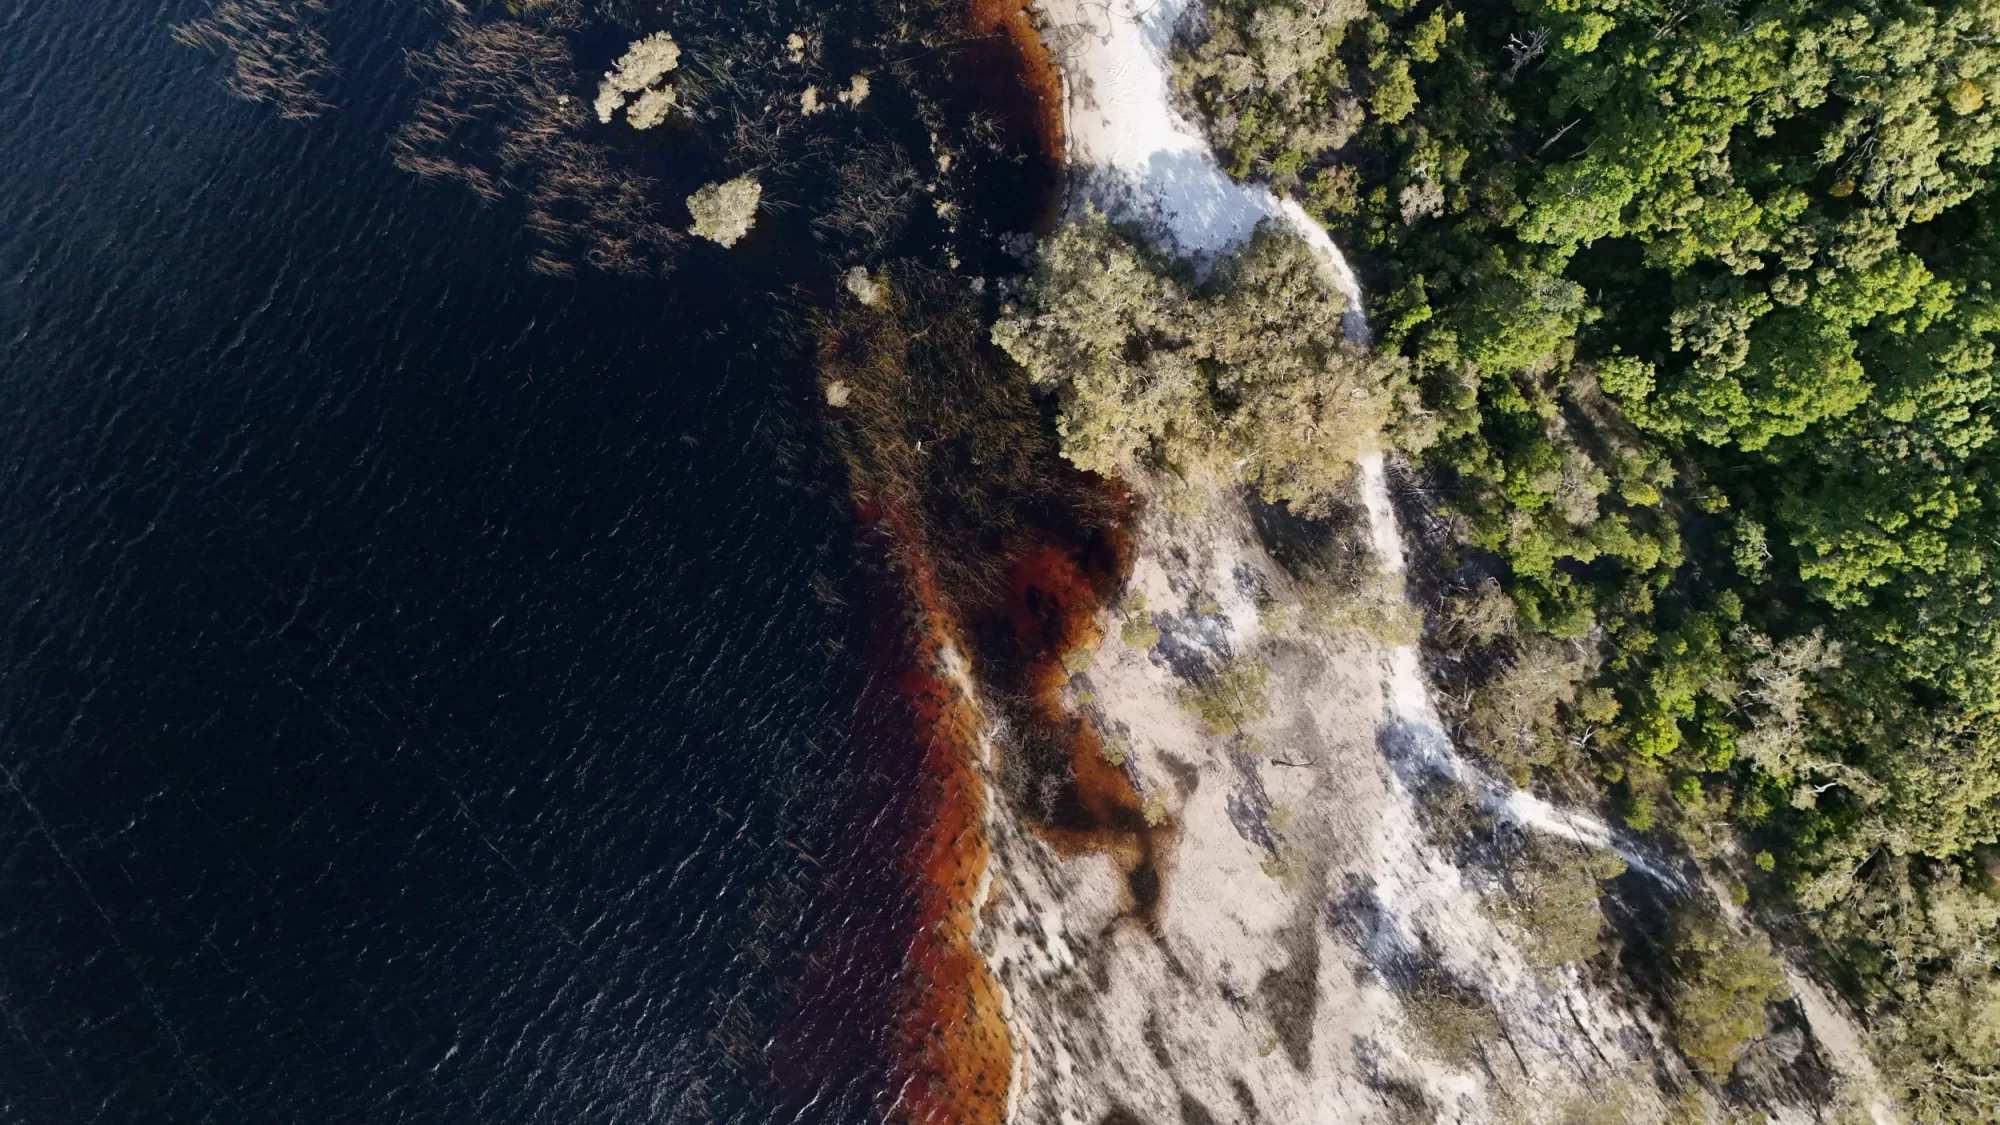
[1299,899]
[1139,158]
[1835,1031]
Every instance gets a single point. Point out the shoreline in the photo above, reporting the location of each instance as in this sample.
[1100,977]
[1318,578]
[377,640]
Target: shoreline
[1039,74]
[1306,913]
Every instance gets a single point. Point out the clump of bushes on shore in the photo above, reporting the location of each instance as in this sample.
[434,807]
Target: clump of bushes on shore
[1270,84]
[1725,979]
[1249,376]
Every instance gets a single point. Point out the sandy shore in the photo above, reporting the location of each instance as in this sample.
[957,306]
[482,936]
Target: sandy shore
[1301,905]
[1303,914]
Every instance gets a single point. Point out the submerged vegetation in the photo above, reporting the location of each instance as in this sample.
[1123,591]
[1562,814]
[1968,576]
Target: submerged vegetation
[599,118]
[275,50]
[1699,300]
[497,116]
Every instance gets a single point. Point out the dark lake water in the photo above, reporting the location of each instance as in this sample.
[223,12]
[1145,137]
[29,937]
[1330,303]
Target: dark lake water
[415,701]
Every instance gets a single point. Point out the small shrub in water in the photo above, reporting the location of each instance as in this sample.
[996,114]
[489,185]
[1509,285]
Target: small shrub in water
[723,213]
[644,65]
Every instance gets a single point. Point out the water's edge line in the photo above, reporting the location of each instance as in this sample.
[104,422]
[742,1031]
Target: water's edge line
[958,671]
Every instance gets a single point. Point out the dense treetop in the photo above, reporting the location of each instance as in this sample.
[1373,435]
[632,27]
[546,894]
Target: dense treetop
[1700,299]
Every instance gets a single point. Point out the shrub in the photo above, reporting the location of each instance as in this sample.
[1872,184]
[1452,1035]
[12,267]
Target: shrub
[1726,979]
[1395,94]
[1273,56]
[724,212]
[1139,632]
[1479,617]
[651,107]
[1515,718]
[1374,606]
[1945,1050]
[1451,1021]
[1251,376]
[1233,696]
[1551,901]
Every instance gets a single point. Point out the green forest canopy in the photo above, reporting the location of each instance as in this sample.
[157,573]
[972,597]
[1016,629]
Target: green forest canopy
[1699,299]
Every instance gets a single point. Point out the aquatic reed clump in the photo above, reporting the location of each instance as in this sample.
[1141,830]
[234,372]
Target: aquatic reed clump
[277,55]
[874,191]
[651,107]
[496,117]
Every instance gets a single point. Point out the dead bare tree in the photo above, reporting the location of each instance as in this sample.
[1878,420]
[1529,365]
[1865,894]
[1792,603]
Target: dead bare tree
[1524,49]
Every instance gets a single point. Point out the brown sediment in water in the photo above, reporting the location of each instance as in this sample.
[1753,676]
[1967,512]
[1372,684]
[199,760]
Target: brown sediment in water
[954,1056]
[1060,554]
[899,1009]
[1055,596]
[1038,73]
[996,571]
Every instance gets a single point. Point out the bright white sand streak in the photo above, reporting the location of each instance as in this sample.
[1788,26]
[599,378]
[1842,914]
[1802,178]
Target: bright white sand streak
[1145,161]
[1422,734]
